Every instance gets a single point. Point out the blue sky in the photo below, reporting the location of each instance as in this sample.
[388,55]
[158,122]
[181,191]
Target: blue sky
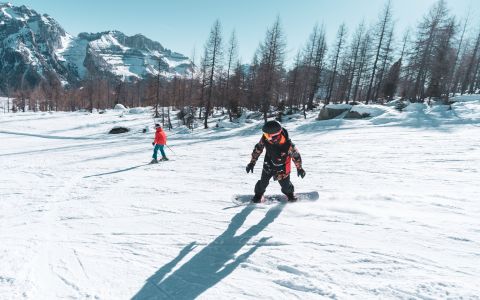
[182,25]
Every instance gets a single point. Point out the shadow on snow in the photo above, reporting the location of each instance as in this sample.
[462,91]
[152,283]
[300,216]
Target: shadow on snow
[117,171]
[209,266]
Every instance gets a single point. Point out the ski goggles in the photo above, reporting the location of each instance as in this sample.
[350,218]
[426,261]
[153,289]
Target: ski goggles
[272,136]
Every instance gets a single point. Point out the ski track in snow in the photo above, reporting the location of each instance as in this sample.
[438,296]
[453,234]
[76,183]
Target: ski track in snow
[83,215]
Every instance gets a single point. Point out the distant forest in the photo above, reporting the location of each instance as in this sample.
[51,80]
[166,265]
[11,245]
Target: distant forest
[367,64]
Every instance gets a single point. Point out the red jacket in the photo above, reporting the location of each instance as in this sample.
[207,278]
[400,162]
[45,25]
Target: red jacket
[160,137]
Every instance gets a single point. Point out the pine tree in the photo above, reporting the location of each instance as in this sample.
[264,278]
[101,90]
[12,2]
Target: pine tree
[232,58]
[468,82]
[423,52]
[318,65]
[270,71]
[384,28]
[454,76]
[339,44]
[212,65]
[364,61]
[386,60]
[355,49]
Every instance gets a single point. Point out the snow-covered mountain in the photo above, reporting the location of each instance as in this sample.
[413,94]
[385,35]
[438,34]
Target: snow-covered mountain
[120,55]
[35,46]
[28,42]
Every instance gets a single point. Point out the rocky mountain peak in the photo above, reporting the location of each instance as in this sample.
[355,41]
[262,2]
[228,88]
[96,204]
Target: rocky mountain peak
[34,47]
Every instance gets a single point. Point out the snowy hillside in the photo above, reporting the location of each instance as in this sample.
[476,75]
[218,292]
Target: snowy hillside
[123,56]
[83,217]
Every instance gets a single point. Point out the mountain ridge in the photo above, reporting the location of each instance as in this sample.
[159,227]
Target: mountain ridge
[35,47]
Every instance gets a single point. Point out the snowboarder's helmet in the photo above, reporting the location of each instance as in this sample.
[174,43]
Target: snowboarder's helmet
[272,127]
[272,130]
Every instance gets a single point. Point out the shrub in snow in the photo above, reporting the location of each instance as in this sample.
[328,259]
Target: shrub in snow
[119,106]
[118,129]
[400,105]
[187,115]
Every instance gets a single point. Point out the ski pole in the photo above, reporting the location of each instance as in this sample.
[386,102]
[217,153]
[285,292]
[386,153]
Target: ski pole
[171,150]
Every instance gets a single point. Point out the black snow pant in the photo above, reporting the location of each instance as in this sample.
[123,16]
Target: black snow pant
[261,186]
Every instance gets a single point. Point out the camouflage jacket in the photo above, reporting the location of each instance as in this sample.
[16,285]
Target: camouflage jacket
[278,156]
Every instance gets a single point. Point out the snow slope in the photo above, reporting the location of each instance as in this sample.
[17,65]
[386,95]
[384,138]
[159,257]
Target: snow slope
[82,216]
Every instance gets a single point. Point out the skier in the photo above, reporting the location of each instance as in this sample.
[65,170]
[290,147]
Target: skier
[276,164]
[159,142]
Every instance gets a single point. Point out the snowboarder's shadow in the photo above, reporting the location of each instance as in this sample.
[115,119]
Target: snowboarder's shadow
[209,266]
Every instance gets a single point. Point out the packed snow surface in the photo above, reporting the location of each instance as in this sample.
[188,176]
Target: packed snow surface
[83,216]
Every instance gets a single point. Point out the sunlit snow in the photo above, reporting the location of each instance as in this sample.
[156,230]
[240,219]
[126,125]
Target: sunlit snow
[83,216]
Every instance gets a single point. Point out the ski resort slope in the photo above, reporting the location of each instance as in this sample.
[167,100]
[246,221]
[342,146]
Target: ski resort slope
[83,216]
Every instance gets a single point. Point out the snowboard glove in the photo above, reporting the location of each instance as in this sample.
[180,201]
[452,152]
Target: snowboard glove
[153,143]
[249,167]
[301,172]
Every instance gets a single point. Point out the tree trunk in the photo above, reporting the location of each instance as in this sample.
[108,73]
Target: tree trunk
[386,19]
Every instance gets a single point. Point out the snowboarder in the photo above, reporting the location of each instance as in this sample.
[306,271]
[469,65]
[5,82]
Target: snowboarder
[159,142]
[279,152]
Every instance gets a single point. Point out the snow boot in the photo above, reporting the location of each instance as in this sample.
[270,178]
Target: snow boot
[257,198]
[154,161]
[164,158]
[291,197]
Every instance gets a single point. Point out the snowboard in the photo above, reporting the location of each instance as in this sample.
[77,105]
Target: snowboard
[272,199]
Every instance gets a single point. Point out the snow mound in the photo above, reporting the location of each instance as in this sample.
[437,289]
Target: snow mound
[184,130]
[468,111]
[254,115]
[119,106]
[226,124]
[466,98]
[358,111]
[416,107]
[371,110]
[137,110]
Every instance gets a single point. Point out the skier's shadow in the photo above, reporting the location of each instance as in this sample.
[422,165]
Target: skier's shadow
[209,266]
[117,171]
